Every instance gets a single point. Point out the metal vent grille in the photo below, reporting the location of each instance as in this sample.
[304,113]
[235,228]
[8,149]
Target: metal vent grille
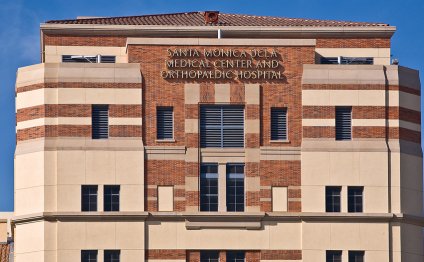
[222,126]
[343,123]
[165,123]
[278,124]
[100,121]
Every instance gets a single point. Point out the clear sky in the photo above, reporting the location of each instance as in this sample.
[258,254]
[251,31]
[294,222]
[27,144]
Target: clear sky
[20,43]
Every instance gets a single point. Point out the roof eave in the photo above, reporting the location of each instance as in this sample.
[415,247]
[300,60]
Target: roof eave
[211,31]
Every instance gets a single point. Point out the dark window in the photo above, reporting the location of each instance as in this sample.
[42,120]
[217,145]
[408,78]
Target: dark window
[278,124]
[209,256]
[356,256]
[88,198]
[100,121]
[355,199]
[112,255]
[235,187]
[343,123]
[88,59]
[235,256]
[222,126]
[111,198]
[107,59]
[348,60]
[334,256]
[165,123]
[88,255]
[209,187]
[332,199]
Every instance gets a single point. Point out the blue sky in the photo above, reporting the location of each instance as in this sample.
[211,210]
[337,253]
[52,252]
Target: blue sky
[19,38]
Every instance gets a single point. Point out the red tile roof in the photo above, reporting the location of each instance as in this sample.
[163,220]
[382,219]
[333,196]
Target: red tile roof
[197,19]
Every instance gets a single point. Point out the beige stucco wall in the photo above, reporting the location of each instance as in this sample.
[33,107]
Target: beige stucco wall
[63,241]
[368,169]
[174,235]
[54,181]
[373,238]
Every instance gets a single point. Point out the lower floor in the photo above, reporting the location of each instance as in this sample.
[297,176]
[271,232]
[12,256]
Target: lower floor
[224,238]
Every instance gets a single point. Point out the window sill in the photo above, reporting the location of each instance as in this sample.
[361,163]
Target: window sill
[165,140]
[280,141]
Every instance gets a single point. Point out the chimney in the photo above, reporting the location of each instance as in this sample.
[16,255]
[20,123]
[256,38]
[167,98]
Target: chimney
[211,17]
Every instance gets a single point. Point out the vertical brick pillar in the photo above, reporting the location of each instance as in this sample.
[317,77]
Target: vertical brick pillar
[252,146]
[252,256]
[191,108]
[222,256]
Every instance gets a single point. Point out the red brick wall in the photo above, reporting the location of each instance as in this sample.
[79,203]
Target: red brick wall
[353,43]
[70,40]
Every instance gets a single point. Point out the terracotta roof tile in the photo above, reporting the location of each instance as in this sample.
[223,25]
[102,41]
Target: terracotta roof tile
[197,19]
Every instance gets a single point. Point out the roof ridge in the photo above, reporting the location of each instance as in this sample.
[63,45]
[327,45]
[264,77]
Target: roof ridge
[128,16]
[193,18]
[304,19]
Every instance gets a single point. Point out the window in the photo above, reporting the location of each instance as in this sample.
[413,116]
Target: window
[222,126]
[165,198]
[209,187]
[348,60]
[235,187]
[209,256]
[88,255]
[100,121]
[111,198]
[112,255]
[343,123]
[235,256]
[356,256]
[89,198]
[332,199]
[88,59]
[279,199]
[278,124]
[355,199]
[165,123]
[334,256]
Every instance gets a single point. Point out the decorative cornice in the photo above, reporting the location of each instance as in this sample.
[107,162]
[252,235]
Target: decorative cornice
[197,220]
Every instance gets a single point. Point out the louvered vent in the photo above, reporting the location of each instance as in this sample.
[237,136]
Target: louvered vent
[278,124]
[343,123]
[222,126]
[165,125]
[100,121]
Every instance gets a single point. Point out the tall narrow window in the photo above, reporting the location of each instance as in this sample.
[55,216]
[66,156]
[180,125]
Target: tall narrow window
[222,126]
[278,124]
[332,198]
[334,256]
[235,256]
[88,255]
[235,187]
[209,256]
[209,187]
[112,255]
[88,198]
[100,121]
[356,256]
[355,199]
[111,198]
[165,123]
[343,123]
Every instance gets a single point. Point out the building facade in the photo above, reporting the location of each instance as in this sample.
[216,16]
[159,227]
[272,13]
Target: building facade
[204,136]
